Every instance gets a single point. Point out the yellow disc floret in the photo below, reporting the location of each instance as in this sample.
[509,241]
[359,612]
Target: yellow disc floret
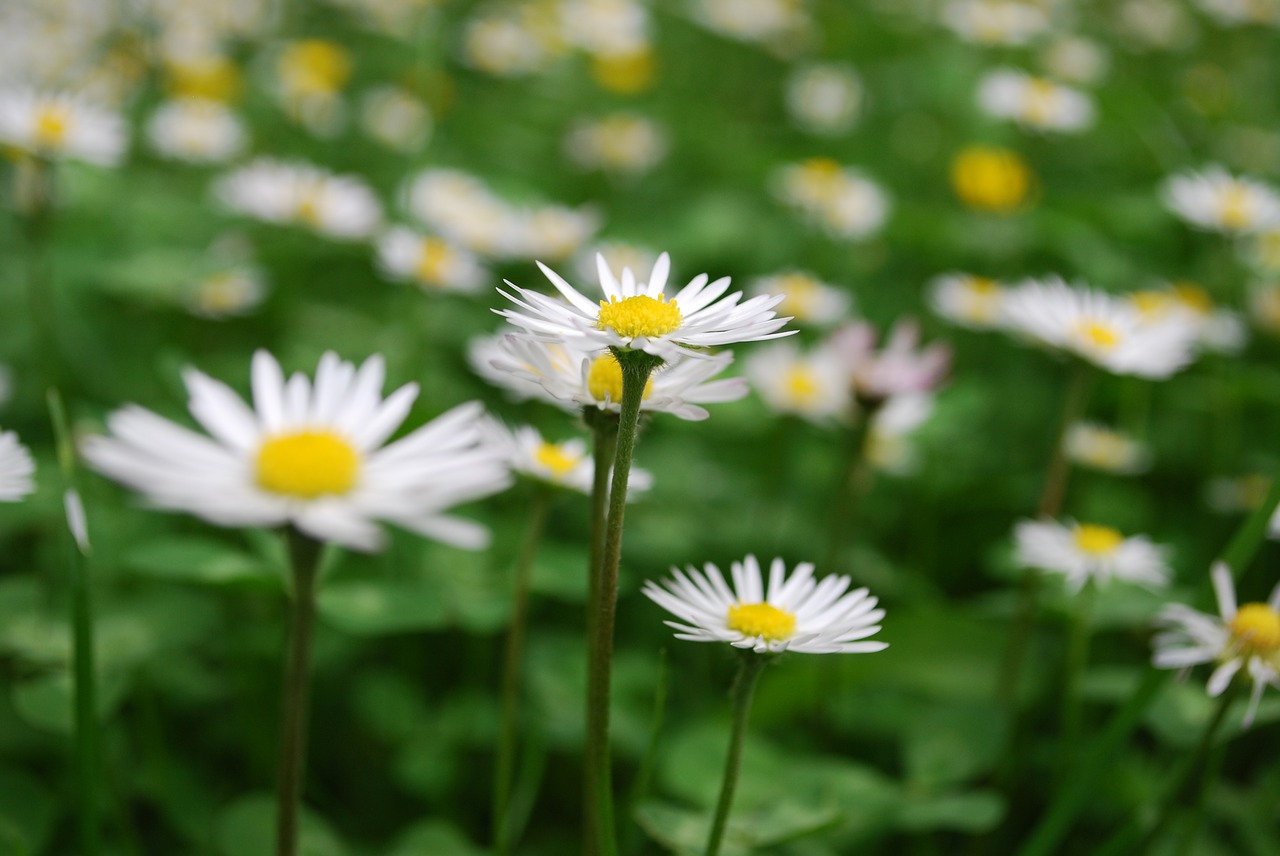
[762,620]
[1098,335]
[554,457]
[51,125]
[801,384]
[604,380]
[640,316]
[1256,627]
[432,261]
[990,179]
[314,67]
[307,465]
[1097,540]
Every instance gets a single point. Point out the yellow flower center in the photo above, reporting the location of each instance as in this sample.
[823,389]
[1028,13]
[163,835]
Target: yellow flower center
[990,179]
[307,465]
[625,74]
[1098,334]
[1193,297]
[52,123]
[801,384]
[640,316]
[1097,540]
[763,620]
[222,292]
[212,78]
[434,256]
[556,459]
[308,208]
[1257,628]
[1237,210]
[604,380]
[801,295]
[1041,99]
[314,67]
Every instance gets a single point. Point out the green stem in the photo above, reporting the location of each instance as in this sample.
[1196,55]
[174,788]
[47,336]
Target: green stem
[604,427]
[854,478]
[304,562]
[511,670]
[1077,658]
[600,836]
[744,686]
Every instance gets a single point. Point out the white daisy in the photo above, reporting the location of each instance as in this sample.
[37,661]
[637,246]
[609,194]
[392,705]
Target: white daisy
[16,468]
[60,125]
[307,454]
[1098,447]
[619,142]
[234,291]
[638,316]
[824,98]
[567,465]
[1214,199]
[337,206]
[196,130]
[762,21]
[617,254]
[395,118]
[813,385]
[575,378]
[966,299]
[1242,640]
[605,28]
[429,261]
[889,447]
[1107,330]
[1085,551]
[1076,59]
[899,367]
[995,22]
[1234,13]
[1220,330]
[841,200]
[1034,102]
[807,299]
[796,614]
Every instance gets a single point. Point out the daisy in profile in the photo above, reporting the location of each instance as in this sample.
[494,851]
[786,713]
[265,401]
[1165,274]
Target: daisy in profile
[226,293]
[1098,447]
[1241,640]
[298,194]
[807,299]
[623,143]
[1034,102]
[1214,199]
[1086,551]
[429,261]
[60,125]
[996,22]
[196,130]
[789,614]
[966,299]
[313,455]
[900,366]
[1219,330]
[16,468]
[1104,329]
[567,465]
[638,316]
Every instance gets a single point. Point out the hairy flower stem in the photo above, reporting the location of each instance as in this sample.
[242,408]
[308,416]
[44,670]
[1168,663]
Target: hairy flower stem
[304,565]
[744,687]
[600,837]
[511,670]
[604,429]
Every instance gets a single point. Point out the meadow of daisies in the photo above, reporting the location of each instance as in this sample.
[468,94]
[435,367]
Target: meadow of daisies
[621,427]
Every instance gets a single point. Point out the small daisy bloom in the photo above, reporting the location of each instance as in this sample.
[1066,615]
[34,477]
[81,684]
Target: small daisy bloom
[620,142]
[1214,199]
[576,378]
[337,206]
[792,614]
[899,367]
[234,291]
[763,21]
[812,385]
[1086,551]
[889,447]
[1237,12]
[638,316]
[1242,640]
[568,465]
[1219,330]
[1034,102]
[1098,447]
[1106,330]
[60,125]
[460,207]
[1076,59]
[16,468]
[966,299]
[841,200]
[824,98]
[196,130]
[313,455]
[807,299]
[430,261]
[395,118]
[995,22]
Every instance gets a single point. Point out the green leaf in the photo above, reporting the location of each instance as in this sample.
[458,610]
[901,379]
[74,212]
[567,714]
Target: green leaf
[26,814]
[248,828]
[200,560]
[972,812]
[46,702]
[434,838]
[948,744]
[381,607]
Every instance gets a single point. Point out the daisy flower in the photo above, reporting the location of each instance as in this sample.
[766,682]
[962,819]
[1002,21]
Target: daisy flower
[807,299]
[1098,447]
[638,316]
[313,455]
[60,125]
[966,299]
[813,385]
[234,291]
[1242,640]
[576,378]
[16,468]
[899,367]
[824,98]
[567,465]
[1220,330]
[620,142]
[841,200]
[395,118]
[1214,199]
[995,22]
[1085,551]
[1106,330]
[1034,102]
[196,130]
[795,614]
[889,447]
[429,261]
[337,206]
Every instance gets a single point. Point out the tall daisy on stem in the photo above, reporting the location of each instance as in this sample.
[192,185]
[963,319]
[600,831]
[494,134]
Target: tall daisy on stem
[796,614]
[643,329]
[313,458]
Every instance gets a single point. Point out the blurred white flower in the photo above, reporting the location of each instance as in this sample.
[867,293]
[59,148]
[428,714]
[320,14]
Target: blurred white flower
[1106,330]
[307,454]
[966,299]
[996,22]
[552,232]
[16,468]
[768,22]
[1160,24]
[312,74]
[1085,551]
[429,261]
[1220,330]
[807,299]
[1034,102]
[196,130]
[1092,445]
[1214,199]
[337,206]
[841,200]
[1264,307]
[234,291]
[813,384]
[395,118]
[618,142]
[1239,640]
[59,125]
[1236,12]
[899,367]
[889,447]
[824,98]
[618,255]
[1075,59]
[606,28]
[499,360]
[1263,250]
[512,42]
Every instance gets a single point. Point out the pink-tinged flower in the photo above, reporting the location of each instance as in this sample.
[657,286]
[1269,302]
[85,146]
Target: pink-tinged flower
[899,368]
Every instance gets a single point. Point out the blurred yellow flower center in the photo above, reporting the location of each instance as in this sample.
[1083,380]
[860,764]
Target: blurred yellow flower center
[222,292]
[434,255]
[1097,540]
[800,296]
[1193,297]
[52,122]
[1041,99]
[604,380]
[308,208]
[1098,334]
[990,179]
[801,383]
[1236,212]
[212,78]
[307,465]
[640,316]
[314,67]
[1257,627]
[556,459]
[763,620]
[625,74]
